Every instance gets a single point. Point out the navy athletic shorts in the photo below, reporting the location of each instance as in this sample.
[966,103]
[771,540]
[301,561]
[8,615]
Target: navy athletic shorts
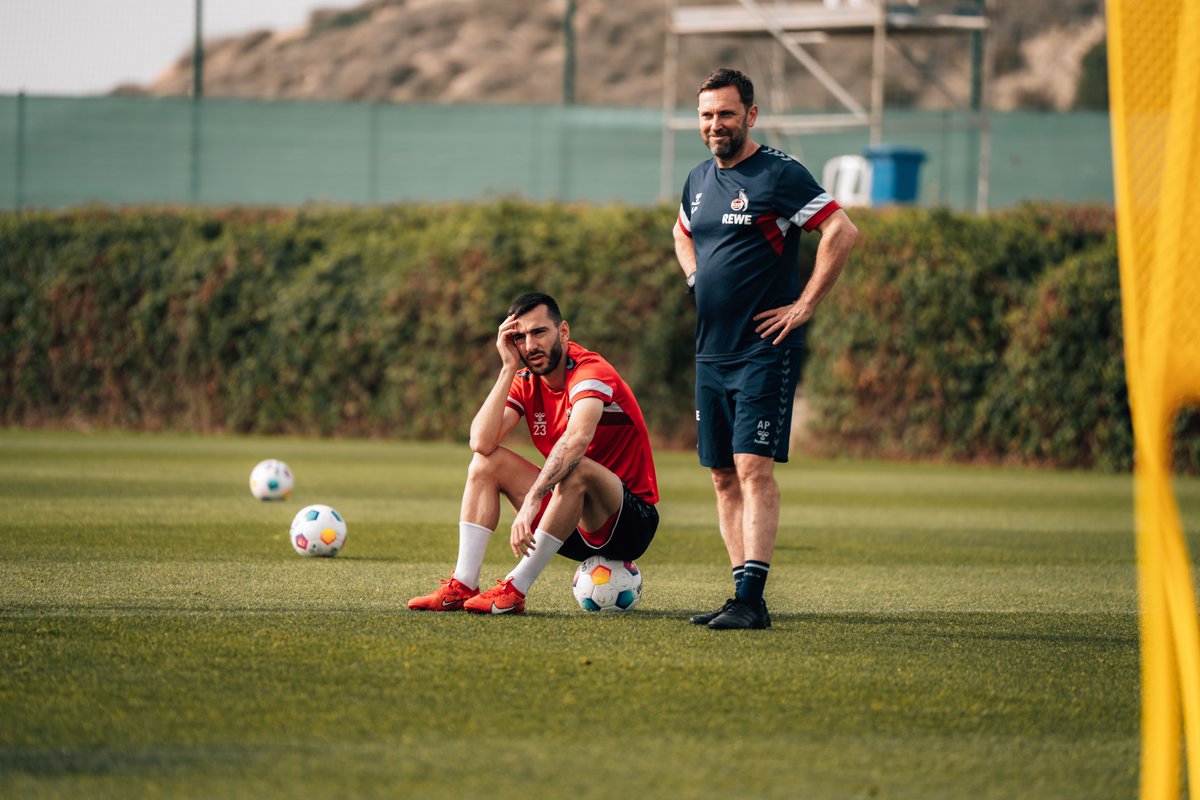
[625,536]
[745,405]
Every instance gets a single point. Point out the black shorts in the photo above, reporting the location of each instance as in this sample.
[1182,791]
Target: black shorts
[745,405]
[632,530]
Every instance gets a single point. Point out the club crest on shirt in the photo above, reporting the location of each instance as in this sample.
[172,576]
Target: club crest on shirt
[739,204]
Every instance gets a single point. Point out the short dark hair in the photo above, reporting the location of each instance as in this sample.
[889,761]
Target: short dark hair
[528,302]
[727,76]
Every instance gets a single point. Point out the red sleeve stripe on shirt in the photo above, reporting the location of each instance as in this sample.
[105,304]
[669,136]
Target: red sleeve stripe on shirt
[515,405]
[816,211]
[683,222]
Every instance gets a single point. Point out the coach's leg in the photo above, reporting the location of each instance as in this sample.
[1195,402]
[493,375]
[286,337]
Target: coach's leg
[730,505]
[760,525]
[760,506]
[730,513]
[715,418]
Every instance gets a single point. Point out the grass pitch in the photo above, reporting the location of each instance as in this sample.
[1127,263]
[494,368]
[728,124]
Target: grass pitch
[938,632]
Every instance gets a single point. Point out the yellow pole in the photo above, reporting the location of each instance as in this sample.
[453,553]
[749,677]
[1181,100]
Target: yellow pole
[1154,80]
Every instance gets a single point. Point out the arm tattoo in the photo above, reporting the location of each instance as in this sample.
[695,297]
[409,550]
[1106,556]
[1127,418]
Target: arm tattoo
[555,470]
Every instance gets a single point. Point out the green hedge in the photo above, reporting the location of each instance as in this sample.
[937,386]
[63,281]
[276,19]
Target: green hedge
[356,322]
[994,338]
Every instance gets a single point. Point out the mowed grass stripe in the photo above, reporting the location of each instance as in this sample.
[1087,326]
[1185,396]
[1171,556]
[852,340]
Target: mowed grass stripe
[158,636]
[50,587]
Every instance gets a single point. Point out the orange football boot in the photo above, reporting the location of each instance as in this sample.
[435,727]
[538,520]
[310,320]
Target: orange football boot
[502,598]
[450,596]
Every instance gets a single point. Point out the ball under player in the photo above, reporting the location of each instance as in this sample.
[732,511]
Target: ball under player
[594,495]
[737,241]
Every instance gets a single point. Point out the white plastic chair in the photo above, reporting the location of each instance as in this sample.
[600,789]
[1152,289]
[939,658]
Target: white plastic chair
[848,179]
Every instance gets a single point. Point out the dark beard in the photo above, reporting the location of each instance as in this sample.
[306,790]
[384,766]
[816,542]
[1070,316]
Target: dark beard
[551,362]
[730,146]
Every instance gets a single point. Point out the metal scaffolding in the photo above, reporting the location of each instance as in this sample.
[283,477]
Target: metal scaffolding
[797,24]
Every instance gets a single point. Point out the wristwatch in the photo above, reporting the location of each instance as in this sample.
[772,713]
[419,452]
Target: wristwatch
[691,282]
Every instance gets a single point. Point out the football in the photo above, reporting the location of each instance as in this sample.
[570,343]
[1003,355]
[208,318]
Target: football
[602,584]
[271,480]
[318,530]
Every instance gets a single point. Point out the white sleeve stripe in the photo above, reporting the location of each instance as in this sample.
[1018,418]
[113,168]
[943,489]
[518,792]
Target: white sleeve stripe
[613,408]
[809,211]
[517,403]
[592,385]
[684,222]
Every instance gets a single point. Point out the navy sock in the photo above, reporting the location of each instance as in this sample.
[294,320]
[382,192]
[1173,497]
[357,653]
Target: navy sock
[754,580]
[738,572]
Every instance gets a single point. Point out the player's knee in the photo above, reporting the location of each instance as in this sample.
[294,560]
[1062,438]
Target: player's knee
[482,466]
[574,484]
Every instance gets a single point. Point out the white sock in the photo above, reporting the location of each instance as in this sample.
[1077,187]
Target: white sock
[472,544]
[528,568]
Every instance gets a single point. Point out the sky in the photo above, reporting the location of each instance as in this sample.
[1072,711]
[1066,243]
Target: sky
[83,47]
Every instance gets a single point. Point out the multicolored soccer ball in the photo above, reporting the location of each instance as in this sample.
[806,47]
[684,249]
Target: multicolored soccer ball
[318,530]
[602,584]
[271,480]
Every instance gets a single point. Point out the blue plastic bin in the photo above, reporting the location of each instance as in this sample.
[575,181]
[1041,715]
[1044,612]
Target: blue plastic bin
[895,173]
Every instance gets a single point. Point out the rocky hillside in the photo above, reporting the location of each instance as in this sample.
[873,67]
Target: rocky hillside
[512,51]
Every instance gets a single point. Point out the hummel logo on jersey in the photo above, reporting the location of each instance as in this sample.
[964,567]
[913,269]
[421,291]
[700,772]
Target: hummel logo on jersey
[771,151]
[696,201]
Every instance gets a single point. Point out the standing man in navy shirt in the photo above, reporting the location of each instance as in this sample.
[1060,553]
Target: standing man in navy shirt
[737,239]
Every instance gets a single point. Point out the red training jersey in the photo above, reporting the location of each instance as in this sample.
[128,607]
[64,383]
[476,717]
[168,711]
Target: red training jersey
[621,442]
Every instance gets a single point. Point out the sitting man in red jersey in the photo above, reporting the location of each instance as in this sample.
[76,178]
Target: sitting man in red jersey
[595,494]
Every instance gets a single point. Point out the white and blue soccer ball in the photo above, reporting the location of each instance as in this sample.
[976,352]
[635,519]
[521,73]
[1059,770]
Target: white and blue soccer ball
[271,480]
[318,530]
[602,584]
